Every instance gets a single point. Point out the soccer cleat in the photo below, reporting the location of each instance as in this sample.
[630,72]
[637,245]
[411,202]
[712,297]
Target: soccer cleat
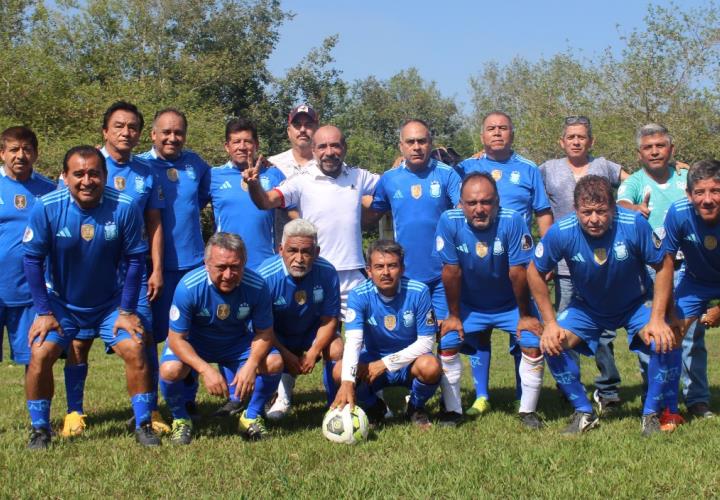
[531,420]
[181,431]
[74,425]
[418,416]
[145,436]
[229,409]
[650,424]
[376,413]
[606,406]
[158,423]
[279,409]
[450,419]
[479,407]
[252,428]
[670,421]
[40,438]
[700,410]
[581,422]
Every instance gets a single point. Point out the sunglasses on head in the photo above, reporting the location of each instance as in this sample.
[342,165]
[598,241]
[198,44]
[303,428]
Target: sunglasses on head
[582,120]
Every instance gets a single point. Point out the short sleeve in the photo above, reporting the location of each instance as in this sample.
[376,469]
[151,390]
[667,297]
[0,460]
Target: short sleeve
[549,251]
[204,186]
[261,313]
[540,199]
[630,190]
[368,182]
[453,188]
[134,241]
[649,243]
[181,310]
[380,201]
[673,233]
[445,241]
[520,243]
[156,200]
[331,300]
[425,321]
[290,189]
[355,312]
[35,239]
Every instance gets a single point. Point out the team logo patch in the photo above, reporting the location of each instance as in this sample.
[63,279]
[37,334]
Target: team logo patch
[243,185]
[481,249]
[119,183]
[264,182]
[526,242]
[430,318]
[435,189]
[350,315]
[161,195]
[318,294]
[111,231]
[87,231]
[600,255]
[174,313]
[20,201]
[498,247]
[139,185]
[390,321]
[408,319]
[243,311]
[416,191]
[172,174]
[301,297]
[539,250]
[439,243]
[710,242]
[657,240]
[28,235]
[515,177]
[620,250]
[496,174]
[223,311]
[190,171]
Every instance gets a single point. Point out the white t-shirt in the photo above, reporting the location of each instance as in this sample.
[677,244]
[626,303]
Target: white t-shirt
[334,206]
[287,164]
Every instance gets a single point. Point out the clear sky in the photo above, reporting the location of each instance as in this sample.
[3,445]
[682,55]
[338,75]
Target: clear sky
[449,41]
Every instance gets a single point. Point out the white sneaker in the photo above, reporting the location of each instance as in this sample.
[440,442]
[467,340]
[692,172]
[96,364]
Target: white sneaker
[279,409]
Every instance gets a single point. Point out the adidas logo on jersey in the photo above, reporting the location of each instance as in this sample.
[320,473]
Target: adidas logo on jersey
[397,195]
[692,238]
[462,248]
[64,233]
[226,185]
[204,313]
[578,258]
[280,301]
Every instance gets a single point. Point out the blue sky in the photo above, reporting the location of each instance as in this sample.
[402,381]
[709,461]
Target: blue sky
[450,41]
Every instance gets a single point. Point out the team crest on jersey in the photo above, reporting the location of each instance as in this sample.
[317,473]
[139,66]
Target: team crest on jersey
[526,242]
[139,185]
[435,189]
[223,311]
[28,235]
[87,231]
[681,184]
[600,255]
[318,294]
[190,171]
[515,177]
[243,185]
[110,230]
[20,201]
[710,242]
[430,318]
[350,315]
[481,249]
[172,174]
[390,322]
[264,182]
[620,250]
[416,191]
[498,247]
[243,311]
[539,250]
[119,183]
[174,313]
[408,319]
[439,243]
[301,297]
[496,174]
[657,239]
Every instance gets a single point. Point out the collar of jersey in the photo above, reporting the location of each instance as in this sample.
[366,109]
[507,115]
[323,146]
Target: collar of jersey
[429,166]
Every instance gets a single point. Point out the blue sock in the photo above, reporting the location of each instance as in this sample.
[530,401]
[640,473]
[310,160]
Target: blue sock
[174,395]
[142,407]
[656,383]
[328,382]
[39,410]
[191,387]
[154,369]
[265,386]
[565,370]
[229,375]
[421,392]
[75,376]
[672,363]
[366,397]
[518,383]
[480,366]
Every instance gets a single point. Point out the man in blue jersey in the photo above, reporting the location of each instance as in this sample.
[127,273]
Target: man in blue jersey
[390,331]
[306,306]
[184,178]
[417,193]
[20,187]
[607,250]
[484,247]
[86,226]
[210,320]
[121,128]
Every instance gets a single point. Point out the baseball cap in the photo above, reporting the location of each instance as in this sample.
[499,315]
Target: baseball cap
[302,108]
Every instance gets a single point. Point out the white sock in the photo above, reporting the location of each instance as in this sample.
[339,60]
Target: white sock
[531,376]
[450,382]
[286,386]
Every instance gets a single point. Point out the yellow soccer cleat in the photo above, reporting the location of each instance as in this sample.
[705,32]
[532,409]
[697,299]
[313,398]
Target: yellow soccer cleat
[479,407]
[252,429]
[74,425]
[158,424]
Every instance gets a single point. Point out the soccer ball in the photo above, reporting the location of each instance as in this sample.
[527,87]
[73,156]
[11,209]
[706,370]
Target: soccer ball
[345,425]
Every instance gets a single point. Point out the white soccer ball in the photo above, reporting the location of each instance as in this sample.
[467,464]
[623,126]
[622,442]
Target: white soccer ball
[345,425]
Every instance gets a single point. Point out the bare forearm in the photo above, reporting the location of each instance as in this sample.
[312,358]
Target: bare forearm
[326,332]
[185,352]
[452,281]
[153,223]
[662,292]
[541,294]
[260,347]
[518,278]
[544,220]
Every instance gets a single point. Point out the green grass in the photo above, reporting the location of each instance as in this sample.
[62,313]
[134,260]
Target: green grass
[489,457]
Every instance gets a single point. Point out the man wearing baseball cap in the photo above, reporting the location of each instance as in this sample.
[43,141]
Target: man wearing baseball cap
[302,124]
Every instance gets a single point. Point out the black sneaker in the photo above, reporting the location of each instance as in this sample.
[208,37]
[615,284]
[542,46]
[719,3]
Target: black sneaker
[418,416]
[605,405]
[581,422]
[531,420]
[181,431]
[40,438]
[229,409]
[700,410]
[145,436]
[650,424]
[376,412]
[450,419]
[193,411]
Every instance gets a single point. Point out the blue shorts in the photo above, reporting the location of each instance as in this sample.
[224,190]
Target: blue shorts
[401,377]
[439,301]
[17,320]
[692,297]
[161,305]
[298,344]
[475,322]
[588,326]
[143,311]
[230,361]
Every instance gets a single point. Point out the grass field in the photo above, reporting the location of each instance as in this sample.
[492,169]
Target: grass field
[488,457]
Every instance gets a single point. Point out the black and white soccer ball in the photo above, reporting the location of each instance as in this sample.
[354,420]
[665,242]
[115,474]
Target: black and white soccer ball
[347,426]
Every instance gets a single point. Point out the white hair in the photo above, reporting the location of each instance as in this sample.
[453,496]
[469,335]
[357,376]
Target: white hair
[299,227]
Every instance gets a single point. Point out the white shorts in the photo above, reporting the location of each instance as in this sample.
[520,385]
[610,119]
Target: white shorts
[348,280]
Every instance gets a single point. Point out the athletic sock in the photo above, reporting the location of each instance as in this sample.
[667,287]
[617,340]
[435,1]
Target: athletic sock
[518,380]
[286,386]
[480,366]
[39,410]
[154,369]
[142,407]
[174,395]
[265,386]
[566,373]
[328,381]
[450,382]
[672,364]
[191,387]
[229,375]
[531,376]
[421,392]
[75,376]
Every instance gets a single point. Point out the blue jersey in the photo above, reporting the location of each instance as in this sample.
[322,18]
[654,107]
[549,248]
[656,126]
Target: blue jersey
[182,181]
[417,199]
[686,231]
[216,323]
[236,213]
[136,180]
[608,273]
[298,305]
[519,182]
[85,247]
[485,257]
[389,327]
[16,202]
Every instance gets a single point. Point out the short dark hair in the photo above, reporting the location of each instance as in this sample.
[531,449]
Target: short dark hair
[386,246]
[122,106]
[173,111]
[593,189]
[702,170]
[473,176]
[241,125]
[84,151]
[18,134]
[499,113]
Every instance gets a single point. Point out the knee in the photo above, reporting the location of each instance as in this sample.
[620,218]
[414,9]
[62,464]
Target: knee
[132,353]
[274,364]
[428,369]
[42,357]
[78,352]
[337,372]
[173,371]
[334,350]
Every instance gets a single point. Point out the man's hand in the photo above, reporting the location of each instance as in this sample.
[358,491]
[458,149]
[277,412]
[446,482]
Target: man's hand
[452,323]
[130,323]
[552,339]
[154,285]
[244,381]
[711,318]
[214,382]
[644,207]
[661,333]
[529,323]
[479,154]
[292,363]
[681,165]
[374,370]
[345,395]
[308,360]
[252,174]
[41,327]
